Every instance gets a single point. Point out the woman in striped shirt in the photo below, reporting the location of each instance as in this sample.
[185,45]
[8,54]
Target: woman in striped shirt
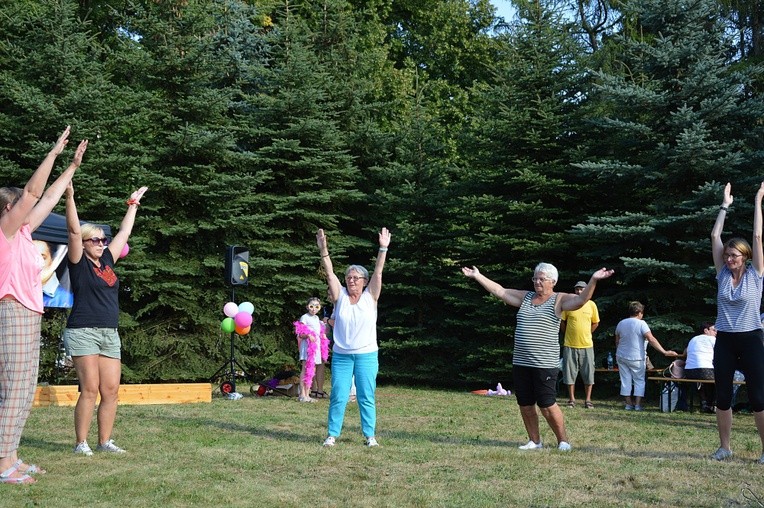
[536,359]
[739,338]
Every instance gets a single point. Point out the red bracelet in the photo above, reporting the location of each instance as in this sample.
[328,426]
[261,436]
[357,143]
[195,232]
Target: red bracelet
[132,201]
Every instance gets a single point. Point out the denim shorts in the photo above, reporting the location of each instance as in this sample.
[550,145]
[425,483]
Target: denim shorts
[92,341]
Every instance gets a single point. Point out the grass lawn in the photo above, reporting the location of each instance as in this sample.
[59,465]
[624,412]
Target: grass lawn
[438,448]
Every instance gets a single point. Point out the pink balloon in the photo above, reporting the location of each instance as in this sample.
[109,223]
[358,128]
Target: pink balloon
[125,250]
[243,319]
[230,309]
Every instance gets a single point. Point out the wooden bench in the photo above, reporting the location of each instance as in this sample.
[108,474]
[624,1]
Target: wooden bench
[171,393]
[664,380]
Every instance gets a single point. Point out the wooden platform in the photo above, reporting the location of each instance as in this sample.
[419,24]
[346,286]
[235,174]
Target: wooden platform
[184,393]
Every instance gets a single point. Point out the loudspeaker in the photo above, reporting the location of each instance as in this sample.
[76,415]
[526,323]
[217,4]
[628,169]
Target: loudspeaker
[237,265]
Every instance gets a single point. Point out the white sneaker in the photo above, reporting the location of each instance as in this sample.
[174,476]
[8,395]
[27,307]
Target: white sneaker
[371,441]
[329,441]
[564,446]
[530,445]
[83,449]
[110,447]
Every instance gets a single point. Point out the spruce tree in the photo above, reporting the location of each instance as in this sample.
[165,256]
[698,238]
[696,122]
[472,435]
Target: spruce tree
[671,128]
[519,196]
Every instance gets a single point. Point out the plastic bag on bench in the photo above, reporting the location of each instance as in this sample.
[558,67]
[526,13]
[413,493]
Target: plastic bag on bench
[670,393]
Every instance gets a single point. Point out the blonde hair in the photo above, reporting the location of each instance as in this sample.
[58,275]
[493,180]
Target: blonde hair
[741,245]
[91,230]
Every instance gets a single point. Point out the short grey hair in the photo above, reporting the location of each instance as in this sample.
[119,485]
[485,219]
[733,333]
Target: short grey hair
[547,269]
[357,268]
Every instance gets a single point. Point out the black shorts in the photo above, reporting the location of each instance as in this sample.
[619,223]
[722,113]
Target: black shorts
[535,385]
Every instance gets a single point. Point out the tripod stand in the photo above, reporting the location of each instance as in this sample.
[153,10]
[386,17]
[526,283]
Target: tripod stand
[229,386]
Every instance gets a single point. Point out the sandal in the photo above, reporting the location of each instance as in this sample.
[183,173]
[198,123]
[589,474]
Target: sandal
[571,403]
[7,476]
[29,469]
[588,405]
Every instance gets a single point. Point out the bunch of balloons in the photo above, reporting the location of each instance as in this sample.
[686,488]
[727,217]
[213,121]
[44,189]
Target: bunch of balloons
[238,317]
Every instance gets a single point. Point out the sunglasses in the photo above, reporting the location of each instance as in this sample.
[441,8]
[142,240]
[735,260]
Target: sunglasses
[314,306]
[96,241]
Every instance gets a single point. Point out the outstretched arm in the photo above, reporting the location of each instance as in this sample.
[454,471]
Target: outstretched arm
[19,214]
[654,342]
[74,252]
[326,264]
[758,254]
[375,284]
[126,227]
[513,297]
[717,247]
[53,194]
[570,301]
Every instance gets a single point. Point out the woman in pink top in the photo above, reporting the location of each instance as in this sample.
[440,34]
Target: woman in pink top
[21,212]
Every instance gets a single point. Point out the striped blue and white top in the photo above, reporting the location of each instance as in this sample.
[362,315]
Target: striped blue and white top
[537,342]
[738,307]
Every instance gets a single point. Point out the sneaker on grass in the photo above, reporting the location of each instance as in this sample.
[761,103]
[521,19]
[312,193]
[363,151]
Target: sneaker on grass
[721,454]
[530,445]
[564,446]
[371,441]
[109,447]
[329,441]
[83,449]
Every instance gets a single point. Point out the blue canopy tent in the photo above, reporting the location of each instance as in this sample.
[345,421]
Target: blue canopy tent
[51,238]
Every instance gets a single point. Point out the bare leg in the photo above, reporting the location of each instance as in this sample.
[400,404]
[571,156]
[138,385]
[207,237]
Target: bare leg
[556,421]
[304,388]
[572,392]
[724,424]
[110,373]
[759,419]
[318,380]
[637,400]
[89,377]
[588,392]
[531,422]
[629,401]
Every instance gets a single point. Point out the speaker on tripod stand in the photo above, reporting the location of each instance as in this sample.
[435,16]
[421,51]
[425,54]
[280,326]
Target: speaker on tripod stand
[236,274]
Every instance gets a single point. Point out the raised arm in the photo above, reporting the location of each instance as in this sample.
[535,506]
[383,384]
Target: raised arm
[375,284]
[53,194]
[126,227]
[74,252]
[758,254]
[717,247]
[326,263]
[19,214]
[570,301]
[513,297]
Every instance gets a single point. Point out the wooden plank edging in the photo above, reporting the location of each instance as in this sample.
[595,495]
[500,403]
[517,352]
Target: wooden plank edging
[170,393]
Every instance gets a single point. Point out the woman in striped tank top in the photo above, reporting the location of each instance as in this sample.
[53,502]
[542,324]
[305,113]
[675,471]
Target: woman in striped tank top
[535,363]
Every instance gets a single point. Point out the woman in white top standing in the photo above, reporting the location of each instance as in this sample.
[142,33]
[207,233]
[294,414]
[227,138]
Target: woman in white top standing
[355,351]
[739,336]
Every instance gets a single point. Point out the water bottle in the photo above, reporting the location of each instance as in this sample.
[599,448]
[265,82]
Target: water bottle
[610,361]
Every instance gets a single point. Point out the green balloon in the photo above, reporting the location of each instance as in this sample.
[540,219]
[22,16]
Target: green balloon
[227,325]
